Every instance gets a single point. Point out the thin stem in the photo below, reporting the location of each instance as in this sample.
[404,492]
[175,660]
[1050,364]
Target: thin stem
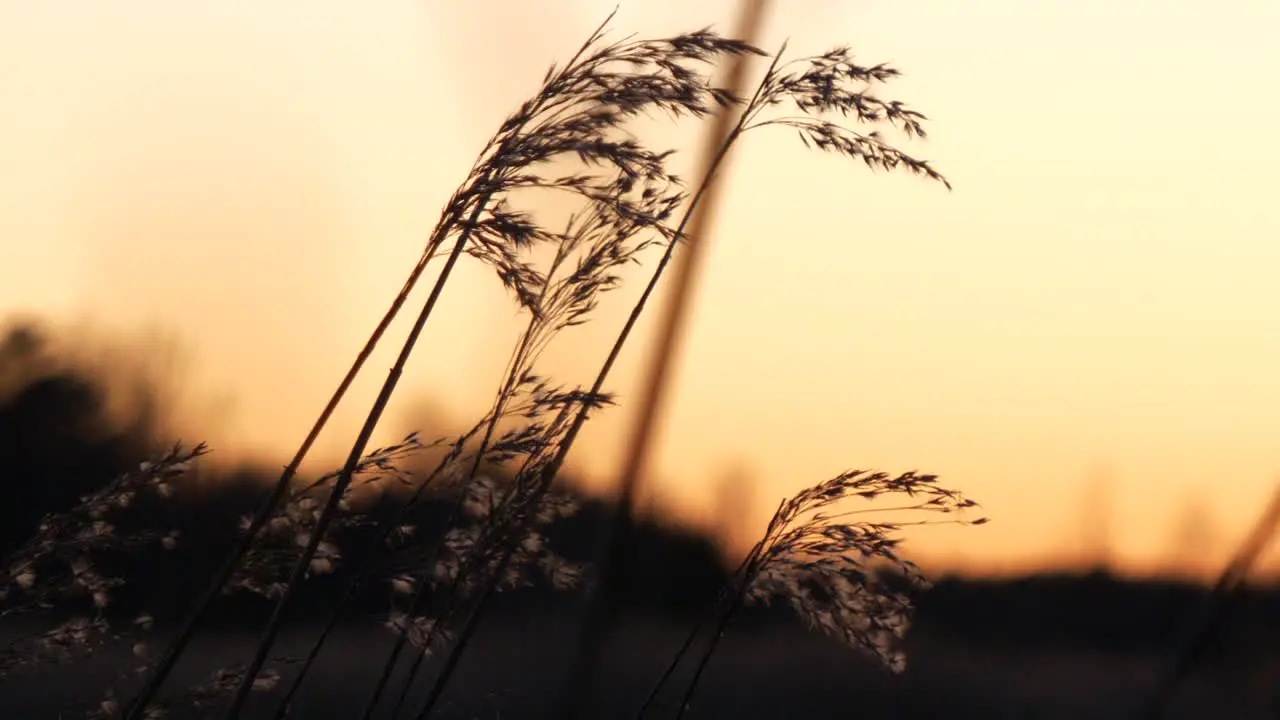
[735,604]
[516,369]
[164,666]
[487,589]
[419,591]
[388,528]
[521,360]
[524,357]
[464,638]
[1202,626]
[344,479]
[688,642]
[387,669]
[724,132]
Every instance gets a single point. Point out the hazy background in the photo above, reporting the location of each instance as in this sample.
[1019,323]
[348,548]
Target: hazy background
[1082,336]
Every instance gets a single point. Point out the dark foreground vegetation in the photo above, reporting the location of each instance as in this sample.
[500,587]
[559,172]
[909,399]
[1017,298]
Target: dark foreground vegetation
[1044,646]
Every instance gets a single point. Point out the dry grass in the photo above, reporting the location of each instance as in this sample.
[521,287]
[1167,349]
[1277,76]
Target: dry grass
[571,137]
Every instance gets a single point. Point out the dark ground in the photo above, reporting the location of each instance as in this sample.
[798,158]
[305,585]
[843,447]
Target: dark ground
[766,672]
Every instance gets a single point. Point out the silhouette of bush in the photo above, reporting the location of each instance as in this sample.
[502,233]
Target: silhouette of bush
[56,439]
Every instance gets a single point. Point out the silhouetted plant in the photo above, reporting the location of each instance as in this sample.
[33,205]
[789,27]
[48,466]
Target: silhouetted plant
[816,87]
[578,113]
[819,561]
[571,137]
[66,566]
[265,566]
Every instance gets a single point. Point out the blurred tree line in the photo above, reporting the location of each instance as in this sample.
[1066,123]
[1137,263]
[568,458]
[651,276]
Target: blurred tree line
[63,434]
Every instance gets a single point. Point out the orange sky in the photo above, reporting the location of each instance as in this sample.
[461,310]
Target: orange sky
[1096,299]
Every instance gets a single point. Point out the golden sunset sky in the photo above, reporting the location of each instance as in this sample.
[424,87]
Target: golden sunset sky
[1084,336]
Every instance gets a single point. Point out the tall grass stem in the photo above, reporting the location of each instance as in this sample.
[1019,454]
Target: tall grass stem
[722,133]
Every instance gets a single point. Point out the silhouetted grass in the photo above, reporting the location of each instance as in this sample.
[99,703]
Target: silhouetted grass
[441,543]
